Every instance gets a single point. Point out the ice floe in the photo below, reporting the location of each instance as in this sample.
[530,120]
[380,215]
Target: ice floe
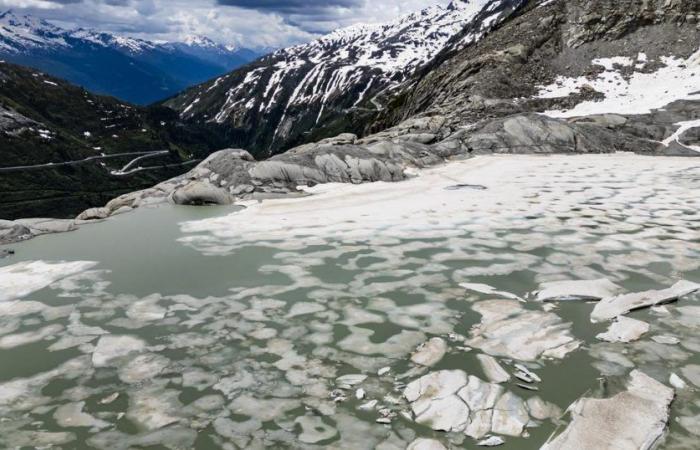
[631,420]
[492,369]
[430,353]
[612,307]
[112,347]
[509,330]
[624,329]
[488,290]
[450,400]
[577,290]
[426,444]
[21,279]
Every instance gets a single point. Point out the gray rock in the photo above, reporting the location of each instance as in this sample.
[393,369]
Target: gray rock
[94,214]
[201,193]
[14,233]
[46,226]
[632,420]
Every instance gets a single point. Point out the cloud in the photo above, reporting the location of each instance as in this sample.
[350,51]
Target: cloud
[292,6]
[248,23]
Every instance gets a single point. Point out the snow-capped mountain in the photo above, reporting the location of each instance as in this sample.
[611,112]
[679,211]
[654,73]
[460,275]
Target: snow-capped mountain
[311,90]
[131,69]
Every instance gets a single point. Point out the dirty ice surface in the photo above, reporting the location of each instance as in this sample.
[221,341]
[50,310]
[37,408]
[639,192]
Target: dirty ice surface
[385,316]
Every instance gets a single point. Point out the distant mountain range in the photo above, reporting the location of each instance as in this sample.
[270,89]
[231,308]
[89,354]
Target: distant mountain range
[133,70]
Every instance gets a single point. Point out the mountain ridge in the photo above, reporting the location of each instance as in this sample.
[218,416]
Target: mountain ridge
[315,90]
[134,70]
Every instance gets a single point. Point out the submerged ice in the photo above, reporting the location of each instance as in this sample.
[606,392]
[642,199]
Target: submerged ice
[372,316]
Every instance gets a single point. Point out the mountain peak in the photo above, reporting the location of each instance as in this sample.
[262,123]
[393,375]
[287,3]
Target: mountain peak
[196,40]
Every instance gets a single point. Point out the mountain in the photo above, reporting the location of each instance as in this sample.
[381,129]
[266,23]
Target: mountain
[513,76]
[133,70]
[335,83]
[628,67]
[81,145]
[549,76]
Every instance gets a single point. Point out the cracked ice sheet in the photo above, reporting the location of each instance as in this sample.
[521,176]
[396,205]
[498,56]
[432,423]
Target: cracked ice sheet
[639,94]
[588,194]
[509,330]
[24,278]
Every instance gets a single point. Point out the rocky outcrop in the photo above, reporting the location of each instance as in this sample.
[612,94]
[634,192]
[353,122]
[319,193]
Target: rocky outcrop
[501,75]
[200,193]
[23,229]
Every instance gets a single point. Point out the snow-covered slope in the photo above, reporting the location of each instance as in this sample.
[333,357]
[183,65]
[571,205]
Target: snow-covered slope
[132,69]
[296,93]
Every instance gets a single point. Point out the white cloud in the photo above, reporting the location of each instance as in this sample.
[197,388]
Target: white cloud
[250,27]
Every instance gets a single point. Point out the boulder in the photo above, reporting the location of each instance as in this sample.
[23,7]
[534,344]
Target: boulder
[200,193]
[94,214]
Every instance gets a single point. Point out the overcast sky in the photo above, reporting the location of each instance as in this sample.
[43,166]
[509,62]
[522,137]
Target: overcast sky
[249,23]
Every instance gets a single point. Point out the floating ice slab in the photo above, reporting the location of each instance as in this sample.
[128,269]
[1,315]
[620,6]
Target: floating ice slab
[113,347]
[426,444]
[577,290]
[632,420]
[492,369]
[314,430]
[624,329]
[509,330]
[488,290]
[612,307]
[72,415]
[21,279]
[430,353]
[449,400]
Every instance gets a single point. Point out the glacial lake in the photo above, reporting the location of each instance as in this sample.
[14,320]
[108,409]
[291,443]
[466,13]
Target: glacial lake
[208,328]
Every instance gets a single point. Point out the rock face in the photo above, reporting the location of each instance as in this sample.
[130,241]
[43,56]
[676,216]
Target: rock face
[201,193]
[23,229]
[632,420]
[500,76]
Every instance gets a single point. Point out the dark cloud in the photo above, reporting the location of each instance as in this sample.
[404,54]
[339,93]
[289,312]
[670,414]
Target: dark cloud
[303,7]
[250,23]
